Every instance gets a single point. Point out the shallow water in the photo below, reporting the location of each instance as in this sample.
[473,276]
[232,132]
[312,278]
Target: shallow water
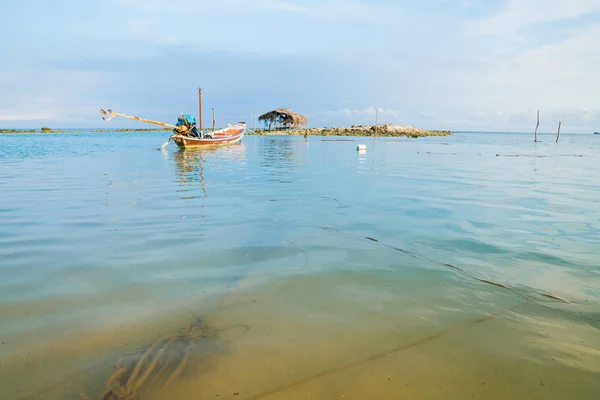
[108,244]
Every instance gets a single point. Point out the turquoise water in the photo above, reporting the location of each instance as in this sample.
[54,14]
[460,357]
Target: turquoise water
[107,244]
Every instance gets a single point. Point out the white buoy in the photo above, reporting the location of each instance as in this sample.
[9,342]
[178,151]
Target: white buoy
[361,147]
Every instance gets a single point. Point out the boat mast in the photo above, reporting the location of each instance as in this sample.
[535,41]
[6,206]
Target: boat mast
[200,107]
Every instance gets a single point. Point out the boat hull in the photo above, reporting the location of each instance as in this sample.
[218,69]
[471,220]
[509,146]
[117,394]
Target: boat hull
[229,135]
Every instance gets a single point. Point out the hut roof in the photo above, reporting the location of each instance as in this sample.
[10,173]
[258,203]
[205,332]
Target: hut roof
[284,116]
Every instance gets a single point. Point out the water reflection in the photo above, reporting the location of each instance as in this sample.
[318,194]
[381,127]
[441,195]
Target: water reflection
[190,171]
[190,163]
[279,156]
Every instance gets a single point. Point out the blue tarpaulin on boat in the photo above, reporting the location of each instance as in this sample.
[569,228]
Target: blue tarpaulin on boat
[190,122]
[186,119]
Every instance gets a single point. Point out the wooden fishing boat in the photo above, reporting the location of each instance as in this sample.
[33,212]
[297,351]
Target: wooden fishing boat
[229,135]
[185,134]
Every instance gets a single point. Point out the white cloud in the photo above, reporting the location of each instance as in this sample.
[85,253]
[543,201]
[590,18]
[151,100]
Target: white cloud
[168,41]
[515,15]
[330,9]
[268,5]
[199,6]
[47,96]
[283,6]
[362,116]
[25,117]
[573,121]
[344,9]
[462,3]
[562,73]
[502,90]
[267,27]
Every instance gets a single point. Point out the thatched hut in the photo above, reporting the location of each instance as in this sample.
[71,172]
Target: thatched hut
[283,117]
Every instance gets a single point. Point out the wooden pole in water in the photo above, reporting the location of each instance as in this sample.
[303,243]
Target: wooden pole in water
[214,120]
[200,108]
[537,126]
[558,135]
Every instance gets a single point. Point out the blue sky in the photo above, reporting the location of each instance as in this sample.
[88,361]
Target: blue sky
[436,64]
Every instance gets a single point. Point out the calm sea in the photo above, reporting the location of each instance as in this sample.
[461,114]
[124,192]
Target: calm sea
[439,268]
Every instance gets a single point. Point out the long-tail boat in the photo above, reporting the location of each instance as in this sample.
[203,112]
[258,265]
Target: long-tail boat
[229,135]
[186,134]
